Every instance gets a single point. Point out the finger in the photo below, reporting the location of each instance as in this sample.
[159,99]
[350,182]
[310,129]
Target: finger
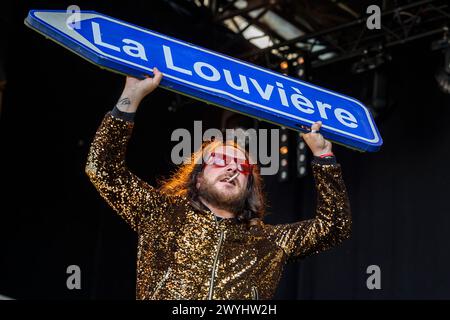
[158,76]
[316,126]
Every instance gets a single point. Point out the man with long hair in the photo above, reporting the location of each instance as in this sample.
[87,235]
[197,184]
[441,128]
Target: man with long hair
[201,234]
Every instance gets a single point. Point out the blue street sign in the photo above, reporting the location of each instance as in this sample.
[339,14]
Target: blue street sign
[209,76]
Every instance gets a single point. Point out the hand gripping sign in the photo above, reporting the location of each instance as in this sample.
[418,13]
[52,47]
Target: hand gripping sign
[209,76]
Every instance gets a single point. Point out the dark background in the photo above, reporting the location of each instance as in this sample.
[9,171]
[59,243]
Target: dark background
[52,217]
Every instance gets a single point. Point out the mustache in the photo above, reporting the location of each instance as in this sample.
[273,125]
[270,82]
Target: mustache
[228,176]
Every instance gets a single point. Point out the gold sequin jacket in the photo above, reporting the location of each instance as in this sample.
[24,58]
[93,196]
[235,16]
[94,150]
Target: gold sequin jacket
[186,253]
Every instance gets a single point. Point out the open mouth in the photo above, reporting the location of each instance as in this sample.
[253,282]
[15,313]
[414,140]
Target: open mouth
[225,180]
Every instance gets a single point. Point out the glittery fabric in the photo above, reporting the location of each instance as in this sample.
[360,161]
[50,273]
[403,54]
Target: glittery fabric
[186,253]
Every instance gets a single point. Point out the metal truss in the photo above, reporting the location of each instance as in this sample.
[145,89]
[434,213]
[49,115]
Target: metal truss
[399,25]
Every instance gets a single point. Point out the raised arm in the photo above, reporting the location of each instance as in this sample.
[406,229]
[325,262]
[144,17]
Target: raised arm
[332,223]
[128,195]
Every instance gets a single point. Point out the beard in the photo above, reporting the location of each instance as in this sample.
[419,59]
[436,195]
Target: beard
[233,203]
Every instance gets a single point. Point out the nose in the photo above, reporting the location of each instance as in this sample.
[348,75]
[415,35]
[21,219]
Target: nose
[232,166]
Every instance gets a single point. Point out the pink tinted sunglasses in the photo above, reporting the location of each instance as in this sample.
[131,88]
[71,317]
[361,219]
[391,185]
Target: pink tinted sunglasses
[222,160]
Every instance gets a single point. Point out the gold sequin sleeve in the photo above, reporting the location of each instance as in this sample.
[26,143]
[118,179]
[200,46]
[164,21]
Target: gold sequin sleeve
[331,225]
[128,195]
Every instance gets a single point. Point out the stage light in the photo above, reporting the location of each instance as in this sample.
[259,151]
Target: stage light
[301,157]
[284,65]
[300,67]
[284,150]
[370,62]
[283,172]
[443,74]
[301,171]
